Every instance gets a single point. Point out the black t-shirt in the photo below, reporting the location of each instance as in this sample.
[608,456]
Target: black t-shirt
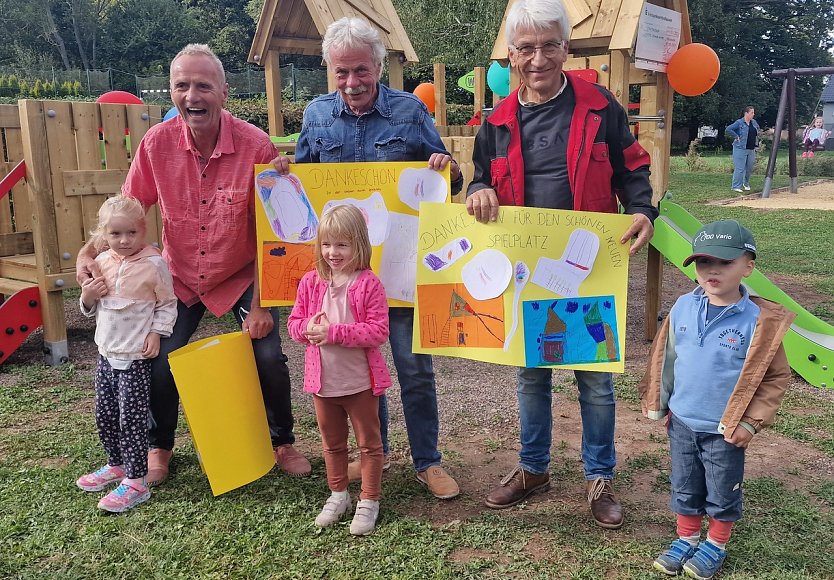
[751,136]
[544,148]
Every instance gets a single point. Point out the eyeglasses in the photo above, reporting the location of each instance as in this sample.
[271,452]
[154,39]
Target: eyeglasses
[549,49]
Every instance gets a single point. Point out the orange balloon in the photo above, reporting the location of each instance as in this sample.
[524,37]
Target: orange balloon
[693,69]
[425,92]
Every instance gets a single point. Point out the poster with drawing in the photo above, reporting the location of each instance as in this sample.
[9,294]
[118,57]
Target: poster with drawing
[288,209]
[536,288]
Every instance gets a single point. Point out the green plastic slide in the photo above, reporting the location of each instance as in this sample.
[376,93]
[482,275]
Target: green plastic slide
[810,342]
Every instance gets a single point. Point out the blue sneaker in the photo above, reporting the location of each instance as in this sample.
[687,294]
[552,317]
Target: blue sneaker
[706,562]
[672,560]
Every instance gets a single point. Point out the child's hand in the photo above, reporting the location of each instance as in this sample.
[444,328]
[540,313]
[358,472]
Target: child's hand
[151,347]
[317,329]
[741,437]
[92,289]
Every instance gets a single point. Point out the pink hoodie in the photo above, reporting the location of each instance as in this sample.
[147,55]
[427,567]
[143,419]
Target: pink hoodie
[370,311]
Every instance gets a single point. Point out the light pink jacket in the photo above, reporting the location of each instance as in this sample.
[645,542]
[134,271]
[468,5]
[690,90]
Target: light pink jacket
[369,306]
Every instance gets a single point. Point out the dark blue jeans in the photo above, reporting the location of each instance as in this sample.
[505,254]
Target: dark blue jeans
[707,473]
[418,392]
[272,371]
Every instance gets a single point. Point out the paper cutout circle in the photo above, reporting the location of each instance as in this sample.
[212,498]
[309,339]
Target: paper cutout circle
[487,275]
[693,69]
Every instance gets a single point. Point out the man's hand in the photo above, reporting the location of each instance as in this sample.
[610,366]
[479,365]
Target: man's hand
[317,329]
[483,204]
[150,349]
[741,437]
[86,266]
[439,161]
[92,289]
[641,229]
[258,323]
[282,164]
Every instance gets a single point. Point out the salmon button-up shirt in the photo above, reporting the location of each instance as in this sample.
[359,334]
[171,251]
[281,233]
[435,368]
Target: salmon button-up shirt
[207,206]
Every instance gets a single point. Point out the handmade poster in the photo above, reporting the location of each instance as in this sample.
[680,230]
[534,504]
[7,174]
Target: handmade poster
[536,288]
[221,395]
[288,209]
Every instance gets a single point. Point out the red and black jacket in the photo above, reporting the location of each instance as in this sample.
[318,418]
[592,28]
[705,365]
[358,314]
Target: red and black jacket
[605,161]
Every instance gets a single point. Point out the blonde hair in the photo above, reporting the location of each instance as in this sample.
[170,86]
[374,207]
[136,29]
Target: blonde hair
[344,222]
[118,205]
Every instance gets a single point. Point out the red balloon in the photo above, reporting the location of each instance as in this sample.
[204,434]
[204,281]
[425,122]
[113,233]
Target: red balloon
[119,98]
[693,69]
[425,92]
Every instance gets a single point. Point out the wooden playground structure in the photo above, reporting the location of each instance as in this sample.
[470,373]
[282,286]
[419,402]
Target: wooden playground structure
[61,159]
[73,155]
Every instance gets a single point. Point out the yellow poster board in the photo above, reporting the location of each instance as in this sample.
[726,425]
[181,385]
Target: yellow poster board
[221,395]
[536,288]
[289,208]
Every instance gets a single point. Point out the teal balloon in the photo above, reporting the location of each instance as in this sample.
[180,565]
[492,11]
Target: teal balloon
[498,79]
[172,112]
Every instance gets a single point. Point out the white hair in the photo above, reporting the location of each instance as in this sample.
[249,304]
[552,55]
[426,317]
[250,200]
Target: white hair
[537,16]
[351,34]
[195,49]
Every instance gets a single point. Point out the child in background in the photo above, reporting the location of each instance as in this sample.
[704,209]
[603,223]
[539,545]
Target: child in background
[815,136]
[341,314]
[719,371]
[134,305]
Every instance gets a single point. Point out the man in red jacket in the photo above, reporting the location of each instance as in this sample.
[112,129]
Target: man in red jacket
[562,143]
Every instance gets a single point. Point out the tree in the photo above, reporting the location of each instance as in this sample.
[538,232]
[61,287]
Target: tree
[752,38]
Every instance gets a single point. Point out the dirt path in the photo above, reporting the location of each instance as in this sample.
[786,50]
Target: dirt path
[816,195]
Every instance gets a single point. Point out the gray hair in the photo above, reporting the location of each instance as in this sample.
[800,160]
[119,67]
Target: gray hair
[351,34]
[201,50]
[537,16]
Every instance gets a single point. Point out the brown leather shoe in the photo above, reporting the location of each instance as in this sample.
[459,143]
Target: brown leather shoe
[439,483]
[291,461]
[515,488]
[159,461]
[355,468]
[605,509]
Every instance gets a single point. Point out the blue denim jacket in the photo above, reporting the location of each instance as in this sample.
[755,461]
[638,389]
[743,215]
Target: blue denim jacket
[738,129]
[397,128]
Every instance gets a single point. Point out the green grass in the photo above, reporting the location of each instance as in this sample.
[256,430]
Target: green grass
[50,529]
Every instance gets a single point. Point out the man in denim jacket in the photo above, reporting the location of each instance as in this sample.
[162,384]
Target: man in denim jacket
[745,133]
[366,121]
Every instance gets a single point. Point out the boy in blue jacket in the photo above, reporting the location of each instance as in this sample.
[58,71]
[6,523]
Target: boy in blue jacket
[719,371]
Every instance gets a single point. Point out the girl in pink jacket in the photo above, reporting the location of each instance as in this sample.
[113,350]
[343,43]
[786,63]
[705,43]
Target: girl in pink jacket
[341,314]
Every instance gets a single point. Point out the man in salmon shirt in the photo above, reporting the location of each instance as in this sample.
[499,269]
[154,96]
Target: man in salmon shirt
[199,168]
[559,142]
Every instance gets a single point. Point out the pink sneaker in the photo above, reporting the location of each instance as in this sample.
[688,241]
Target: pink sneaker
[124,497]
[98,480]
[810,154]
[804,154]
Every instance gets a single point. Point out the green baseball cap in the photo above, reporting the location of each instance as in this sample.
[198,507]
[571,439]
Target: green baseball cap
[724,239]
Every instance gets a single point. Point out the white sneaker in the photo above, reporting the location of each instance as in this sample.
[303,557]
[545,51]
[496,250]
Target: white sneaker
[737,190]
[333,510]
[364,520]
[746,188]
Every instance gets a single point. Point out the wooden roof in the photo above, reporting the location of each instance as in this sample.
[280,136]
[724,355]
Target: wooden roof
[603,25]
[297,26]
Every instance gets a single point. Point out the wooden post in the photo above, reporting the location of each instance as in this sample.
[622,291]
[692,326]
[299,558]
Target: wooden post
[440,94]
[480,88]
[37,152]
[272,72]
[618,77]
[395,71]
[655,137]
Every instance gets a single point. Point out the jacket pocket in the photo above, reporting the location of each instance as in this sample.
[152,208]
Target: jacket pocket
[392,149]
[501,180]
[329,151]
[598,193]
